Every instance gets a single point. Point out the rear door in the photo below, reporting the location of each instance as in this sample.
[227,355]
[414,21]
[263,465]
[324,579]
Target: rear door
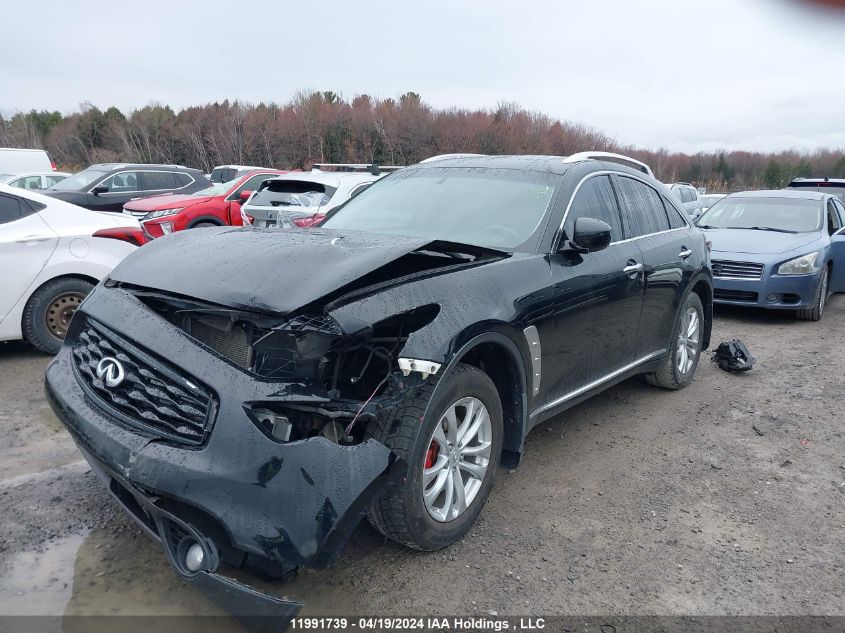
[26,244]
[593,331]
[667,256]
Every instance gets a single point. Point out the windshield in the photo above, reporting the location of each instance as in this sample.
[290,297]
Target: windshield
[497,208]
[215,190]
[790,215]
[80,180]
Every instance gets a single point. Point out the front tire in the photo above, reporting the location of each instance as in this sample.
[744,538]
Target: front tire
[451,439]
[815,312]
[49,310]
[678,370]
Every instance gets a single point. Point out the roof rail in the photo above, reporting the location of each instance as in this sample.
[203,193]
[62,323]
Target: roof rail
[638,165]
[372,168]
[431,159]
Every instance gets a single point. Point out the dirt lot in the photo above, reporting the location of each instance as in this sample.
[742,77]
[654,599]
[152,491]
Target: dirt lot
[726,498]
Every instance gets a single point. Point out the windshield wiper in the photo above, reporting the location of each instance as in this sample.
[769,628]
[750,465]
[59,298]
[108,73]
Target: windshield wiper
[706,226]
[763,228]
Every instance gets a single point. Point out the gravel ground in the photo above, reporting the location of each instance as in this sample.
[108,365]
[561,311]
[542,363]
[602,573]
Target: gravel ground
[725,498]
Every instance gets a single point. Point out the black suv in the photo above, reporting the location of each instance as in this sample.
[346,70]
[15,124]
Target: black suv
[108,186]
[287,383]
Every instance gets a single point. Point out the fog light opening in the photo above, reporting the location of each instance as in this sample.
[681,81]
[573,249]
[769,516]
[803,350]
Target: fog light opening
[773,298]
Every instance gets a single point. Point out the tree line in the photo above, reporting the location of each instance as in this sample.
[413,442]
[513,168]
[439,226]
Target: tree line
[323,127]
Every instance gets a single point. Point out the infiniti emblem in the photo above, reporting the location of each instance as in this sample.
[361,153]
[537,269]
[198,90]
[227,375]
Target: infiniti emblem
[111,371]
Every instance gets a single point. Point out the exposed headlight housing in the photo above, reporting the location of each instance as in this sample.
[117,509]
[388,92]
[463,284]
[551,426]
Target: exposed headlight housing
[162,213]
[804,265]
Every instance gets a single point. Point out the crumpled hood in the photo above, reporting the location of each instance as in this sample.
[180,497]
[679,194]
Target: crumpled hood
[164,201]
[756,242]
[272,270]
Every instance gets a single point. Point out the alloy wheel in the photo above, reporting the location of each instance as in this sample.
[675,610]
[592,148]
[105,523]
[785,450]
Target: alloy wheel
[688,341]
[457,459]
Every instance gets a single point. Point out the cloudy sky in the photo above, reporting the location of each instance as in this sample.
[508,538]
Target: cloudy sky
[687,75]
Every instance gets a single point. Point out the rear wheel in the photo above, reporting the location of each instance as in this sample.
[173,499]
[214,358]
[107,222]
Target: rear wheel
[202,225]
[49,310]
[452,451]
[814,313]
[678,369]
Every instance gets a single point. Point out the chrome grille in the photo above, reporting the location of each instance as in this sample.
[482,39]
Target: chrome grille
[153,397]
[738,270]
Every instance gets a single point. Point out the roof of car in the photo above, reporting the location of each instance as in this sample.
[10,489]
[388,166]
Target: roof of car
[112,166]
[820,181]
[781,193]
[558,165]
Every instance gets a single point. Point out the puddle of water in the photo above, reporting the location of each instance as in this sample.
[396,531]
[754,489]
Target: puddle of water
[40,583]
[126,574]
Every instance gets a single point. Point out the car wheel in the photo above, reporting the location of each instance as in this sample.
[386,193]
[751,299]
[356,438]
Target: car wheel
[452,459]
[678,369]
[49,310]
[815,312]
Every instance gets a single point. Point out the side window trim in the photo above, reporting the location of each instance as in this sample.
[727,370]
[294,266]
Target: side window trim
[560,231]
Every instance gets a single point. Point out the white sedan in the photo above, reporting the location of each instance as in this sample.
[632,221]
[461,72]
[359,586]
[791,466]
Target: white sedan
[52,253]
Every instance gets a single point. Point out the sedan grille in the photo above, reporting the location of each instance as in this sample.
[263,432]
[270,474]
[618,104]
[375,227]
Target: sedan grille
[151,397]
[738,270]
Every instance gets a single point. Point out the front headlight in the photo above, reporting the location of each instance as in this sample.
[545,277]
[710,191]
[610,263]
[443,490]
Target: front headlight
[162,213]
[804,265]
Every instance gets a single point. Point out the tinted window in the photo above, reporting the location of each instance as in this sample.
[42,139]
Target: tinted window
[833,224]
[644,208]
[10,209]
[293,193]
[158,180]
[52,180]
[676,220]
[687,194]
[841,209]
[183,179]
[124,182]
[595,199]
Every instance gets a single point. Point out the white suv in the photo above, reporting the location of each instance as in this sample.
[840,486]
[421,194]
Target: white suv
[687,195]
[301,199]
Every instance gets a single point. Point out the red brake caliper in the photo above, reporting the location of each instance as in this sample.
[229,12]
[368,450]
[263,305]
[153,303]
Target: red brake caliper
[431,455]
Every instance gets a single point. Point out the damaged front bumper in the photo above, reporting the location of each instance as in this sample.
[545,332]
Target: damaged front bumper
[239,493]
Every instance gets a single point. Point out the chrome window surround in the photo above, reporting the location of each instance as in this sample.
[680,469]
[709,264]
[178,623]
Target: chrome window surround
[139,171]
[664,198]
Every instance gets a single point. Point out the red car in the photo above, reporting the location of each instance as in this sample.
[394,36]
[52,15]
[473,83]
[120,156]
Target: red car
[214,206]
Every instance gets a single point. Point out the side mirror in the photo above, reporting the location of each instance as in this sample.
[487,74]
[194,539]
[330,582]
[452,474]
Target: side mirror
[99,189]
[590,235]
[244,195]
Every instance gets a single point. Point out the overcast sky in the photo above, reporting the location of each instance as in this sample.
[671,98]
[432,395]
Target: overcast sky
[687,75]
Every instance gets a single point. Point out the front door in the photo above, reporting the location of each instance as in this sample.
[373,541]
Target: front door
[26,244]
[598,298]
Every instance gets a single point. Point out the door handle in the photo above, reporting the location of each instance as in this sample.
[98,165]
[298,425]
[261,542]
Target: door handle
[632,269]
[684,253]
[32,239]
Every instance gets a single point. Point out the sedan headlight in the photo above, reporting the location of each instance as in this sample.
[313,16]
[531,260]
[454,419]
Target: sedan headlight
[804,265]
[162,213]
